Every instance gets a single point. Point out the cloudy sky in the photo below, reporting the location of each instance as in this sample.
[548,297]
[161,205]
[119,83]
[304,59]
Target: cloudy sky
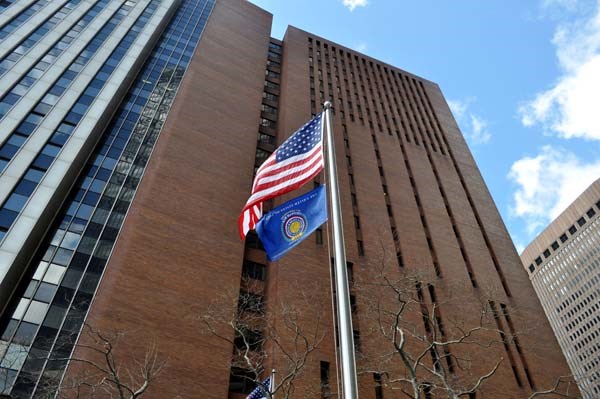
[522,79]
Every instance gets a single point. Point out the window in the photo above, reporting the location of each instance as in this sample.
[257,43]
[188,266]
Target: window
[572,230]
[241,380]
[248,339]
[554,245]
[356,335]
[325,387]
[254,270]
[252,241]
[591,212]
[538,261]
[319,236]
[249,302]
[547,253]
[378,386]
[563,238]
[531,268]
[581,221]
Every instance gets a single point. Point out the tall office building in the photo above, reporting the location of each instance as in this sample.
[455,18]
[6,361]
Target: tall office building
[564,267]
[192,95]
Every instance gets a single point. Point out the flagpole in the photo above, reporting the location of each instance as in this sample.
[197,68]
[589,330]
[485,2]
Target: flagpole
[349,385]
[272,387]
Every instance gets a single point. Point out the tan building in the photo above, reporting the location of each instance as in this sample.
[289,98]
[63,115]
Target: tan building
[135,227]
[564,267]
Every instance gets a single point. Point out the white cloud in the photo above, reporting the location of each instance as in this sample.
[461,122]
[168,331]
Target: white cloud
[352,4]
[547,184]
[570,107]
[361,47]
[458,107]
[474,127]
[479,133]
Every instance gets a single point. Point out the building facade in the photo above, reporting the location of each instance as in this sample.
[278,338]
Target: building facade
[193,95]
[564,267]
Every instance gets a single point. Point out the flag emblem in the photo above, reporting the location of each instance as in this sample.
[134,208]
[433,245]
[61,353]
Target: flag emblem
[294,225]
[295,162]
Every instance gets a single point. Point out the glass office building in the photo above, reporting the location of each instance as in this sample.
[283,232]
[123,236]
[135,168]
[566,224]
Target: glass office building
[564,267]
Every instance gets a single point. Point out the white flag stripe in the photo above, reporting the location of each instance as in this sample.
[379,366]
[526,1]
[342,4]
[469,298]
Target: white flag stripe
[264,193]
[282,165]
[290,160]
[246,222]
[286,172]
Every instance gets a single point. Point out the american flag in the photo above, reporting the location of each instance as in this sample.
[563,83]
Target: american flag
[295,162]
[260,392]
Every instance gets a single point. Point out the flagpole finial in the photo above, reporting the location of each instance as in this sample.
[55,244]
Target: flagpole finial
[327,105]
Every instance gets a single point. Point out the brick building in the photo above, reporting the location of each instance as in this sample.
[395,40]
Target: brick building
[192,95]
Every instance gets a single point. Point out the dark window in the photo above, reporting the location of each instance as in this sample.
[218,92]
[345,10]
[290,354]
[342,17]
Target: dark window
[252,241]
[325,387]
[319,236]
[531,268]
[581,221]
[378,386]
[591,212]
[248,339]
[572,230]
[356,335]
[538,260]
[241,380]
[249,302]
[7,218]
[554,245]
[547,253]
[361,250]
[254,270]
[563,238]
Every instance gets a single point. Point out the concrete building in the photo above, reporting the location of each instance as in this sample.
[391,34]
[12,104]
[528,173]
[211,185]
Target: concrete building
[564,267]
[130,133]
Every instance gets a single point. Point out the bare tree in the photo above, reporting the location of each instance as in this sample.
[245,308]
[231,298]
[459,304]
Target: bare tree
[261,332]
[425,354]
[99,367]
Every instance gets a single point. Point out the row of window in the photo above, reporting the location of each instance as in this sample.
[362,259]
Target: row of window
[11,208]
[358,232]
[411,92]
[44,106]
[34,37]
[590,213]
[33,74]
[242,380]
[93,220]
[22,17]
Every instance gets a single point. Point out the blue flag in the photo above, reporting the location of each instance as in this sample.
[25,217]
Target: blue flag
[287,225]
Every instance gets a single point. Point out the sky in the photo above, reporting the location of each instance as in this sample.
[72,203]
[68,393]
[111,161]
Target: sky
[521,77]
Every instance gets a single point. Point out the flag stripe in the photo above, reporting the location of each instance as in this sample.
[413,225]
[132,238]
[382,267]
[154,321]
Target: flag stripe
[287,172]
[272,190]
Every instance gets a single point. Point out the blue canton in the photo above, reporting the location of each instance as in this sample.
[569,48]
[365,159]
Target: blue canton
[304,140]
[260,391]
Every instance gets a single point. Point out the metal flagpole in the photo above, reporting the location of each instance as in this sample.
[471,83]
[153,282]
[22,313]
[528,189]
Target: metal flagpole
[349,385]
[272,384]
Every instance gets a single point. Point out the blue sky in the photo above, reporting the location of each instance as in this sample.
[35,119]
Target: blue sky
[522,78]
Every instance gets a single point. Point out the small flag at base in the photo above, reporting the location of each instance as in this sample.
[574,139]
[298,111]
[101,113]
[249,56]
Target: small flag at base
[290,223]
[260,392]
